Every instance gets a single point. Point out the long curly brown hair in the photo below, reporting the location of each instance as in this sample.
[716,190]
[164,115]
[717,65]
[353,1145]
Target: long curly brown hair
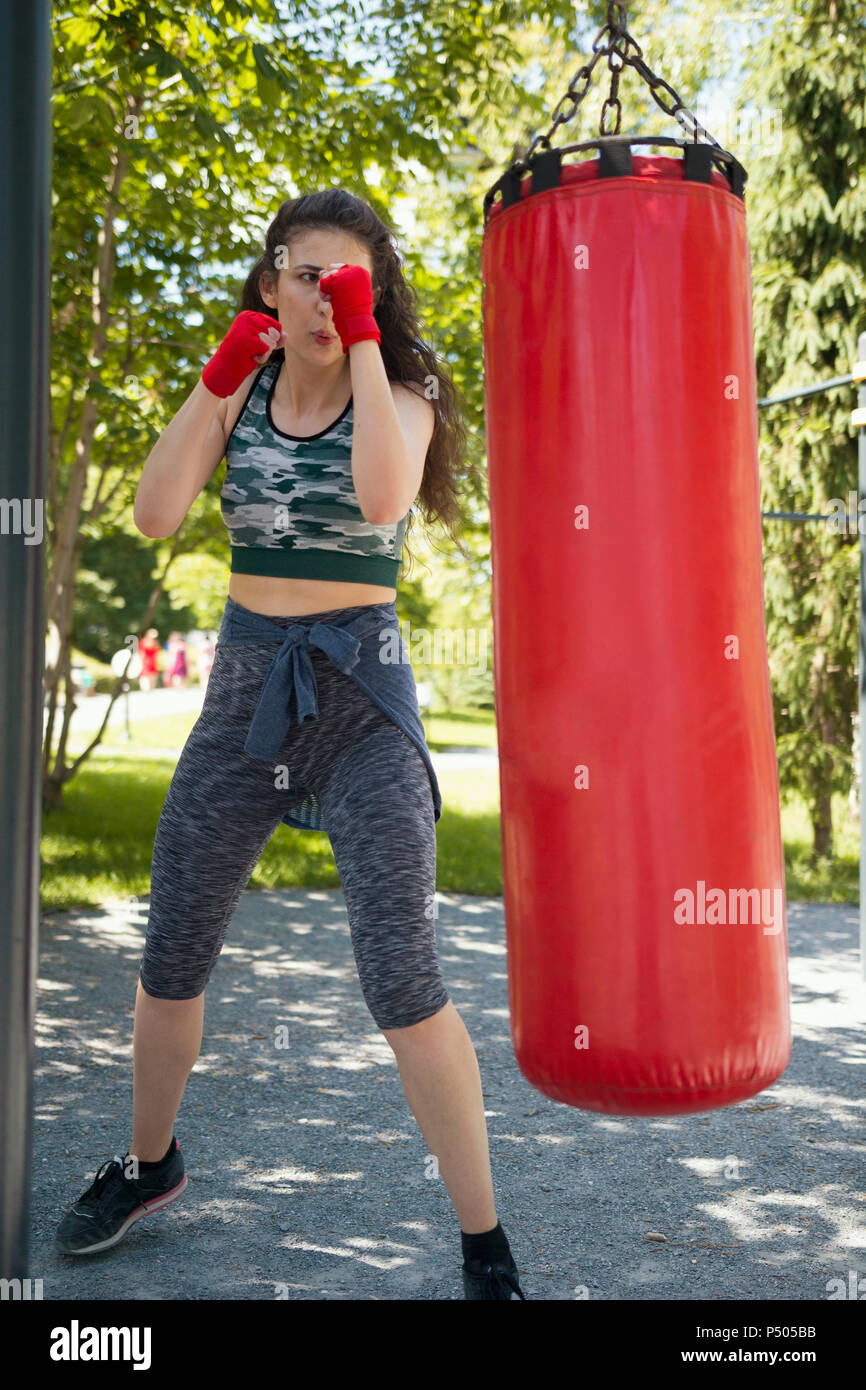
[406,356]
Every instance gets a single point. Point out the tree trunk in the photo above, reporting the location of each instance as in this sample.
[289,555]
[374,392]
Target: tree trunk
[60,584]
[822,826]
[55,777]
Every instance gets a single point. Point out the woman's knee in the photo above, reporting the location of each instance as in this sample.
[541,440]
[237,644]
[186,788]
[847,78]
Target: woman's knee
[163,991]
[173,970]
[396,1003]
[407,1023]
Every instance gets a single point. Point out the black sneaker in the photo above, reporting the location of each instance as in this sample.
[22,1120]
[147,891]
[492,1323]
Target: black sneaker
[113,1202]
[491,1280]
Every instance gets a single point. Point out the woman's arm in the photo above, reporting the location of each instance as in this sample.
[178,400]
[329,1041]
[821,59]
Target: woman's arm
[187,452]
[180,463]
[393,427]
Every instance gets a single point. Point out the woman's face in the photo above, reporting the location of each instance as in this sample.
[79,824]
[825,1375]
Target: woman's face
[302,309]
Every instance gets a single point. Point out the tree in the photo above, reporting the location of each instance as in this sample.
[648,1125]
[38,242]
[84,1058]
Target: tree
[176,128]
[807,214]
[788,80]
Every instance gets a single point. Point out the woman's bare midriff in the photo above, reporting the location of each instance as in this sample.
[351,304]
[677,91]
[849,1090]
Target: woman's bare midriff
[294,598]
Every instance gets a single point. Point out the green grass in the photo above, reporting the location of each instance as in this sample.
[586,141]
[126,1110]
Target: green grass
[166,731]
[462,728]
[99,844]
[466,729]
[833,878]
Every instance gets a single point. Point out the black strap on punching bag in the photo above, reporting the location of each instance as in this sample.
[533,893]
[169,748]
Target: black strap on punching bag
[614,150]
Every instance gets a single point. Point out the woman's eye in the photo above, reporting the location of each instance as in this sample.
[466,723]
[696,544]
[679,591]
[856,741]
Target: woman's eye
[309,275]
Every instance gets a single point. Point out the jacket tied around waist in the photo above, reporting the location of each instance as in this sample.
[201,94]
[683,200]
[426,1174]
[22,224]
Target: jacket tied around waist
[365,645]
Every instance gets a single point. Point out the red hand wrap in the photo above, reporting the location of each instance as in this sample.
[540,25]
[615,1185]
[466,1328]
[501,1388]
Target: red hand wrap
[233,359]
[350,290]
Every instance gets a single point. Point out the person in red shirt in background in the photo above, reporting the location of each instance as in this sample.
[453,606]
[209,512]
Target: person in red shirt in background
[148,650]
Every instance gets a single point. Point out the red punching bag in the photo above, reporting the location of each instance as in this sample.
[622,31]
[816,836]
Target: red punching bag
[642,852]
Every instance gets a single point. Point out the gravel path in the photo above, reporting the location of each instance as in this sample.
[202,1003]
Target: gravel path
[307,1169]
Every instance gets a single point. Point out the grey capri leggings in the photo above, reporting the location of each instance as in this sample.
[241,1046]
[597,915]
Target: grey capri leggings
[222,807]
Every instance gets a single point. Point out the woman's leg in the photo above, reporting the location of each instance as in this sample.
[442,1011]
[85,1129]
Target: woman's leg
[166,1043]
[442,1083]
[379,812]
[221,809]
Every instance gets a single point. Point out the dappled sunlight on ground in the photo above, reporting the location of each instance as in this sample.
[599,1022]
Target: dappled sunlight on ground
[309,1178]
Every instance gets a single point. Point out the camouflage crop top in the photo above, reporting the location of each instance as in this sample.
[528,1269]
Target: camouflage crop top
[289,501]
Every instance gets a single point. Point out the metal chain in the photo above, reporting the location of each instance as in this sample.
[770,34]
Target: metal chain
[614,40]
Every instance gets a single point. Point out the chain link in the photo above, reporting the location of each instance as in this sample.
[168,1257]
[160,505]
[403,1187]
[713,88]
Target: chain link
[614,41]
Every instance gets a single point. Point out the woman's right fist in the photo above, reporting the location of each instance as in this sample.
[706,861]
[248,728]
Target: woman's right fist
[250,340]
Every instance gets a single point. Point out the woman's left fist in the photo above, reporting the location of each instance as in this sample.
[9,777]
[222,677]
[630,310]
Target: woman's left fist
[350,291]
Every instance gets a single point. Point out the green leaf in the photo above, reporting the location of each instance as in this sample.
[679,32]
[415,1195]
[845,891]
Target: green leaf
[79,112]
[166,64]
[206,125]
[195,86]
[81,31]
[264,64]
[268,90]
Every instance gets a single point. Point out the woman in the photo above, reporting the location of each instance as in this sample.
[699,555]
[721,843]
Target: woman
[318,399]
[206,653]
[149,650]
[177,666]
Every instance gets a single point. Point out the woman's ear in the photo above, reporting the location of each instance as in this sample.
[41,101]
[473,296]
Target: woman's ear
[266,290]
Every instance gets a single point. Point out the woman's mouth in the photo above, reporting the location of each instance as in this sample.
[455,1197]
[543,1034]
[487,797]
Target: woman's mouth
[325,337]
